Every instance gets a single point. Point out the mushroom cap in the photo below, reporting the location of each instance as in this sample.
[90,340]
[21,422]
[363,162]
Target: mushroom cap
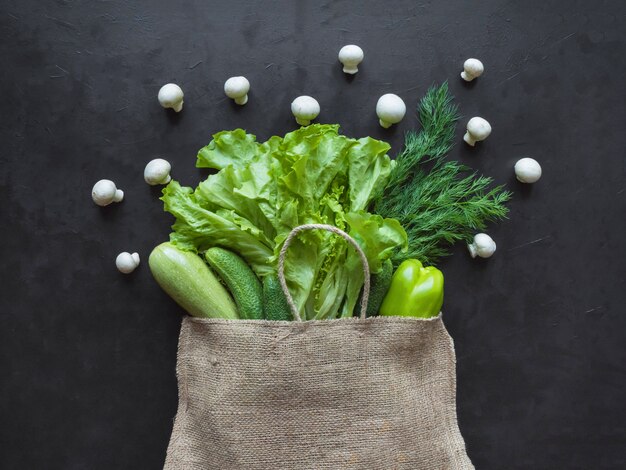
[103,192]
[474,67]
[126,263]
[170,94]
[351,54]
[528,170]
[484,245]
[156,171]
[390,108]
[236,87]
[479,128]
[305,107]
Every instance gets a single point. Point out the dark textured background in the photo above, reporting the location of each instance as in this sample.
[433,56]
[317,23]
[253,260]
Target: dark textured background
[87,354]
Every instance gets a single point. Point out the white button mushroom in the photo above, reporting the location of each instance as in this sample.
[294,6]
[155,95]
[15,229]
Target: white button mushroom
[126,263]
[528,170]
[351,56]
[171,96]
[237,88]
[104,193]
[157,171]
[483,246]
[390,110]
[477,129]
[472,68]
[305,109]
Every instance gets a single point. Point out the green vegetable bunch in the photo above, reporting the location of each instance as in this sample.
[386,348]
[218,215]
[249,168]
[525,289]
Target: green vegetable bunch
[261,191]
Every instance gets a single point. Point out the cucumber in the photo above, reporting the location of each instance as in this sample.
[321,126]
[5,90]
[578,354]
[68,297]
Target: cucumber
[190,282]
[243,284]
[379,285]
[275,305]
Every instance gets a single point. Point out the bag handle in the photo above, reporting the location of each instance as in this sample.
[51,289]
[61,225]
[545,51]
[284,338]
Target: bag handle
[329,228]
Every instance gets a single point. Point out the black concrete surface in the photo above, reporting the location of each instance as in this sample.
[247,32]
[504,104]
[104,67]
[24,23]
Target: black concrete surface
[87,354]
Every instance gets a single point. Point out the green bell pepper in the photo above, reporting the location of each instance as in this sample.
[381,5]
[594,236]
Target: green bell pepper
[415,291]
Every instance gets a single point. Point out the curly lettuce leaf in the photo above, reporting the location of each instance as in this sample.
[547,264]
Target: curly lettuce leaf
[369,169]
[379,238]
[198,229]
[226,148]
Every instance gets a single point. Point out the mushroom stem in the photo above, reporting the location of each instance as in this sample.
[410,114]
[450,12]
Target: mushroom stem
[384,124]
[178,106]
[119,195]
[303,122]
[469,139]
[243,100]
[472,249]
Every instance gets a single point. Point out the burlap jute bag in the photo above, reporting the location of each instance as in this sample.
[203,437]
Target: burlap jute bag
[355,393]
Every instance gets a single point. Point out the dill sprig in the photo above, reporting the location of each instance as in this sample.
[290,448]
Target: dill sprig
[438,202]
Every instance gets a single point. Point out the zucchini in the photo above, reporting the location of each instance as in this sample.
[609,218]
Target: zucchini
[243,284]
[190,282]
[275,306]
[379,285]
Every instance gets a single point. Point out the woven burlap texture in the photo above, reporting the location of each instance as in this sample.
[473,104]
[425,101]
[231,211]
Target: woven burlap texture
[377,393]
